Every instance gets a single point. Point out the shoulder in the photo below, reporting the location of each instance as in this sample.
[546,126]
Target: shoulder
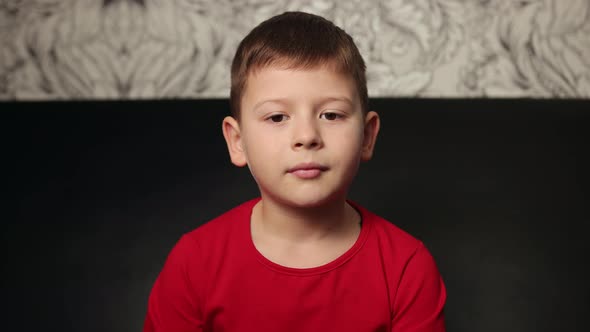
[402,254]
[210,241]
[417,291]
[225,224]
[387,233]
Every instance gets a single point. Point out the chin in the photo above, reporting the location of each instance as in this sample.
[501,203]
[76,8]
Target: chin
[309,201]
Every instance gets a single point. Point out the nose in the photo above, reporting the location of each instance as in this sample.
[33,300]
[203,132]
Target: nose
[306,135]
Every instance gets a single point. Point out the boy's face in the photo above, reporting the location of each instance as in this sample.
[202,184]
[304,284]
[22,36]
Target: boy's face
[302,133]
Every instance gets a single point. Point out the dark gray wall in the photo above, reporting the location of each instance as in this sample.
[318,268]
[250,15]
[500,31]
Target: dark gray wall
[97,193]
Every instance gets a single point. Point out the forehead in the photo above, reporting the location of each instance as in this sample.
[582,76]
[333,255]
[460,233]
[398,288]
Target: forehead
[298,85]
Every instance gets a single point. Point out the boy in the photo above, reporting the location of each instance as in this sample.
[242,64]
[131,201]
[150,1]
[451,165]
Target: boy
[301,257]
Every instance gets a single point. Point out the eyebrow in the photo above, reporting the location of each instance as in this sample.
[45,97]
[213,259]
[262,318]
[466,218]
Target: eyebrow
[340,99]
[323,101]
[272,101]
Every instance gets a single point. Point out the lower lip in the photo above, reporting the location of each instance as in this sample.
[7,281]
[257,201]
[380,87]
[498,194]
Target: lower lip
[307,173]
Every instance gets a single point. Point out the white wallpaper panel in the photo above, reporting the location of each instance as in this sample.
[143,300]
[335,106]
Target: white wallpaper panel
[107,49]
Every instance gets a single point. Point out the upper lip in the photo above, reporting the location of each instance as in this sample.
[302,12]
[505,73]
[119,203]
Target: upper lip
[307,166]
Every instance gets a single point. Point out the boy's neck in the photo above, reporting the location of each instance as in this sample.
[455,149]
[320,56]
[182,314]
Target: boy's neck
[300,225]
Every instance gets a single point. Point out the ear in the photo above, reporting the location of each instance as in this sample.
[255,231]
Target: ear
[372,124]
[233,138]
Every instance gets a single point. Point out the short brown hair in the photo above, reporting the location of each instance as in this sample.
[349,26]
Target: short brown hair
[296,40]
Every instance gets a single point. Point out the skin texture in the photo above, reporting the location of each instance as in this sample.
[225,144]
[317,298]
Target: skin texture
[290,117]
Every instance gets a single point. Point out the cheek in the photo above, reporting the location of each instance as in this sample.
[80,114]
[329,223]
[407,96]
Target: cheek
[259,151]
[350,137]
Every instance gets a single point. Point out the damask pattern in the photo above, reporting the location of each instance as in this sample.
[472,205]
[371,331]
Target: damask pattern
[128,49]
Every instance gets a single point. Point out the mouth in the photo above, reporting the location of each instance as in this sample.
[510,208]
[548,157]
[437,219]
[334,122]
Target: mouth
[307,170]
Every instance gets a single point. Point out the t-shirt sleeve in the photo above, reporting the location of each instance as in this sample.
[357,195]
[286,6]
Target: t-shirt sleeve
[175,302]
[420,297]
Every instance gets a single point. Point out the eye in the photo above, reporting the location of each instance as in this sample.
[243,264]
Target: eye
[331,116]
[277,118]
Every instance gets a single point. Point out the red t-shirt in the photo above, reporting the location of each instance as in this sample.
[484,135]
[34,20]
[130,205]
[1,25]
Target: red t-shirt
[214,279]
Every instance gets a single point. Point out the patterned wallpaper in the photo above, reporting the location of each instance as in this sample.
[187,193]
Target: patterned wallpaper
[96,49]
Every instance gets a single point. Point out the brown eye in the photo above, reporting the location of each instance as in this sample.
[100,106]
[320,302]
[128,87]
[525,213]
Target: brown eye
[331,116]
[277,118]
